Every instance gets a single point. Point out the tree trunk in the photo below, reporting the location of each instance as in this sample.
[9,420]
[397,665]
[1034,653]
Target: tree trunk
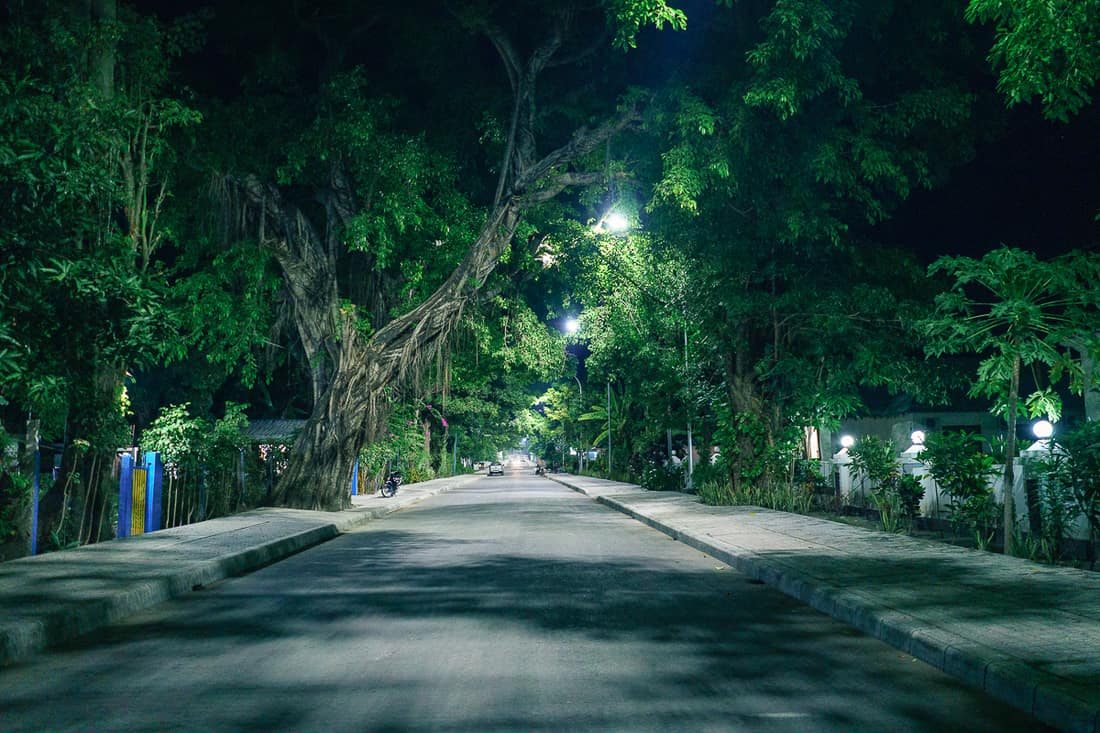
[1010,454]
[353,408]
[351,376]
[104,12]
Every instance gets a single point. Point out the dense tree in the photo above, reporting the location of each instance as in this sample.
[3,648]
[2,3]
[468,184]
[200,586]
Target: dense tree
[87,113]
[356,362]
[1044,49]
[774,169]
[395,229]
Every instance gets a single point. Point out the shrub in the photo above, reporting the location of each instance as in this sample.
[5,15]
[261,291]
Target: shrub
[15,493]
[895,495]
[656,477]
[1069,476]
[963,471]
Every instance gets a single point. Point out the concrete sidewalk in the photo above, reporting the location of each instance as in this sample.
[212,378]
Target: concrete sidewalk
[1027,634]
[52,598]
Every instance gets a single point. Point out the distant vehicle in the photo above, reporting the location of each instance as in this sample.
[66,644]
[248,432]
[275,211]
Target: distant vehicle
[389,486]
[496,468]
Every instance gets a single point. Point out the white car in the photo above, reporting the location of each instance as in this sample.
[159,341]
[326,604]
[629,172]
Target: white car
[496,468]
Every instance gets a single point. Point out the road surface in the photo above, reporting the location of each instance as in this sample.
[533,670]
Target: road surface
[511,605]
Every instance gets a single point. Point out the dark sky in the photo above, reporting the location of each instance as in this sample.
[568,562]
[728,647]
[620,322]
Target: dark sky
[1038,189]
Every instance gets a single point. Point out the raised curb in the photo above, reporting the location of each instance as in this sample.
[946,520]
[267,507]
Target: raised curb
[23,638]
[1054,700]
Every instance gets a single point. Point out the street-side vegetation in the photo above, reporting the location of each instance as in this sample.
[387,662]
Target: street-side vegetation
[887,491]
[377,222]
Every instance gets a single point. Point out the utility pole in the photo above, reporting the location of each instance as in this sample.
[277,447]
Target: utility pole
[581,449]
[691,450]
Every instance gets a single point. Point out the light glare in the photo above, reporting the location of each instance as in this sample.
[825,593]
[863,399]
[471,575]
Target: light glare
[1042,429]
[616,222]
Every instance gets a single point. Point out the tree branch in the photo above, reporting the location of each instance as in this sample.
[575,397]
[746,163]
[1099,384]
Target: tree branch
[583,142]
[559,183]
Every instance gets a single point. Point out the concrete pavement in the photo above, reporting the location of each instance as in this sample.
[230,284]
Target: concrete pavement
[51,598]
[1027,634]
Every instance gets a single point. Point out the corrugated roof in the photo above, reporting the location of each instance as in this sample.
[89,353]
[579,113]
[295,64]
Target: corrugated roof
[274,431]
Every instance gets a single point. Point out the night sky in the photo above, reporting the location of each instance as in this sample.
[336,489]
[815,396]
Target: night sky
[1037,189]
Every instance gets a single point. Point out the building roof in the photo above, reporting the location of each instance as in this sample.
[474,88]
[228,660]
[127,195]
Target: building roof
[274,431]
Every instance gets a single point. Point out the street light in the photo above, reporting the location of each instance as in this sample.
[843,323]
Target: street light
[580,454]
[571,327]
[612,222]
[1043,430]
[916,446]
[616,222]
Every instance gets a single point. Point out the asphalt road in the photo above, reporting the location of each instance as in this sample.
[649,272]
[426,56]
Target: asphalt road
[511,605]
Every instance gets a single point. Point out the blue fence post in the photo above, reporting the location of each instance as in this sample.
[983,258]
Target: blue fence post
[152,490]
[355,478]
[34,506]
[125,495]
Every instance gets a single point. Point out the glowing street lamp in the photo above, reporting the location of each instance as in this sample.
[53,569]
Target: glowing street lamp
[616,222]
[1043,430]
[571,326]
[917,446]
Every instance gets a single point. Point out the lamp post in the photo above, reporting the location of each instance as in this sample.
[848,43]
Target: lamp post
[571,327]
[609,428]
[691,449]
[582,449]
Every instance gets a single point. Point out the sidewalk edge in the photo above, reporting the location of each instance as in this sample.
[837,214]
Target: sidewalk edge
[23,639]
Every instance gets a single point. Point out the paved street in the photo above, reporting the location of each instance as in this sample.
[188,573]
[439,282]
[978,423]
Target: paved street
[512,604]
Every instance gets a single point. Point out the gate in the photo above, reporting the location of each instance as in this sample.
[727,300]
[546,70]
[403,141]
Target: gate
[139,500]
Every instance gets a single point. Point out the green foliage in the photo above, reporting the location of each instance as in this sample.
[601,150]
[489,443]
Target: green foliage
[801,44]
[223,301]
[1045,49]
[823,132]
[875,458]
[656,477]
[1014,310]
[628,17]
[401,447]
[963,471]
[1070,473]
[15,492]
[409,217]
[718,493]
[83,175]
[1057,509]
[909,493]
[203,463]
[795,498]
[1010,306]
[895,495]
[178,436]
